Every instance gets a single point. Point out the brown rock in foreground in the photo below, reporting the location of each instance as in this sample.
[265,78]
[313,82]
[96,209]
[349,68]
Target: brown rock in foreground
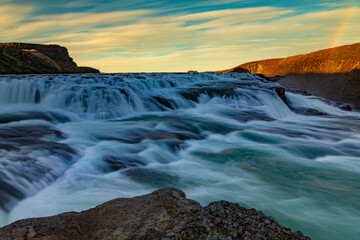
[26,58]
[163,214]
[333,60]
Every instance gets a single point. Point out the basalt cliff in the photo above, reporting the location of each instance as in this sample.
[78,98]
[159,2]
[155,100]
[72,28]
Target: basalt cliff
[333,60]
[26,58]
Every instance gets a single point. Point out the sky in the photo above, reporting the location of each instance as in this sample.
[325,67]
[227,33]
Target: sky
[177,36]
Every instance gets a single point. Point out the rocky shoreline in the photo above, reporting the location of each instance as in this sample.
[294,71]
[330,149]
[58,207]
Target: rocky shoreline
[163,214]
[339,87]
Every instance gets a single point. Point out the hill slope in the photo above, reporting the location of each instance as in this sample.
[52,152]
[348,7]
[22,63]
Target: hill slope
[333,60]
[25,58]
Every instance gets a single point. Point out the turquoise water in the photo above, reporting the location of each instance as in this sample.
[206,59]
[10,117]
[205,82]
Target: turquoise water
[70,142]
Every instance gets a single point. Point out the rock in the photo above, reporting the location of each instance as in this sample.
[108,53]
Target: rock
[263,76]
[225,89]
[346,107]
[163,103]
[333,60]
[163,214]
[281,93]
[28,154]
[240,70]
[308,111]
[339,87]
[26,58]
[88,70]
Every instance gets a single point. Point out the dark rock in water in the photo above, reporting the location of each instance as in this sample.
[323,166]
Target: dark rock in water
[163,102]
[9,193]
[224,89]
[28,115]
[245,116]
[123,161]
[263,76]
[163,214]
[240,70]
[346,107]
[28,132]
[25,58]
[308,111]
[281,93]
[151,177]
[8,147]
[28,153]
[274,78]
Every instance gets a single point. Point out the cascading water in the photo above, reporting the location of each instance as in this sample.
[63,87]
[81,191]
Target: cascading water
[70,142]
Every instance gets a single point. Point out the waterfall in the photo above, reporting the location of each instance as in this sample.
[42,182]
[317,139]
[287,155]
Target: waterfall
[70,142]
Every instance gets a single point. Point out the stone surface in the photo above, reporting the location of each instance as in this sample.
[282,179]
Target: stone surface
[163,214]
[333,60]
[26,58]
[240,70]
[339,87]
[281,93]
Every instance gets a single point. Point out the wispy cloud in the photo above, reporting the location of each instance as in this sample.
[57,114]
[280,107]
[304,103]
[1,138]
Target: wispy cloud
[156,40]
[338,4]
[12,15]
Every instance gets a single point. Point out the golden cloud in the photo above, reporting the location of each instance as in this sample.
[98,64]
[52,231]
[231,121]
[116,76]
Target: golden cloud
[141,40]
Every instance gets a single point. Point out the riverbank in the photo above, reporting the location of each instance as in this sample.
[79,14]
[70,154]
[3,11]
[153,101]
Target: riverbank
[339,87]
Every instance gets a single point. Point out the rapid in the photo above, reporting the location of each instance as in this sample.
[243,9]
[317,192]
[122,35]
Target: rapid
[71,142]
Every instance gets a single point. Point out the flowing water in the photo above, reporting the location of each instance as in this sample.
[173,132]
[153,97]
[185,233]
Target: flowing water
[71,142]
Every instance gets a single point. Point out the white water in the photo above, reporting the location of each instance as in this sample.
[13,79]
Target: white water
[215,136]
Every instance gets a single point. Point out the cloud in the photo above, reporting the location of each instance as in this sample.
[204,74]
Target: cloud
[74,4]
[156,40]
[338,4]
[244,14]
[12,15]
[204,59]
[56,25]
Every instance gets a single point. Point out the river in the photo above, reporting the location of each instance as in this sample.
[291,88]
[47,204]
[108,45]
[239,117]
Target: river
[71,142]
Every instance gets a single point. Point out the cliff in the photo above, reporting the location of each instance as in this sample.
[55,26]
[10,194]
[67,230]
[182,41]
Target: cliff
[333,60]
[163,214]
[25,58]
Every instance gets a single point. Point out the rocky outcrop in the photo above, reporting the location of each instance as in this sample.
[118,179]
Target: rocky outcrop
[240,70]
[339,87]
[163,214]
[333,60]
[25,58]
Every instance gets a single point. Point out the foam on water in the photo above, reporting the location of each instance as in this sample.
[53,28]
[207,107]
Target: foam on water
[215,136]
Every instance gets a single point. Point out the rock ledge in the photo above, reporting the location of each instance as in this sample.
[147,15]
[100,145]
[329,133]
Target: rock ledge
[163,214]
